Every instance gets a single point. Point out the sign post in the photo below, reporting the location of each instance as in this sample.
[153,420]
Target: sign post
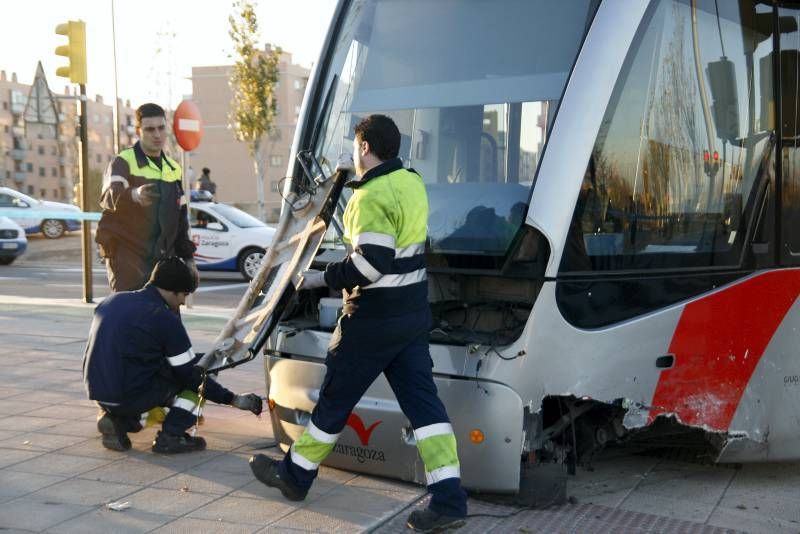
[187,125]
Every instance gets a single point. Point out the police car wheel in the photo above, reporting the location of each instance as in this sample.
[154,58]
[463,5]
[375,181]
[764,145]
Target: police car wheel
[52,228]
[250,261]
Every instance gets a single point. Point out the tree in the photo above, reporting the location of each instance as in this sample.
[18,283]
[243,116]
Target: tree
[252,81]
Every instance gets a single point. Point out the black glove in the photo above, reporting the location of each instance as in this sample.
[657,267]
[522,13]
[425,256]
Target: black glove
[250,401]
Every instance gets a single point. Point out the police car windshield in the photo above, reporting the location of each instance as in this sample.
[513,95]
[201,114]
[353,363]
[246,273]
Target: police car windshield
[237,216]
[473,87]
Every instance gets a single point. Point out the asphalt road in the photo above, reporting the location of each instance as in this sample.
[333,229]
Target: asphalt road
[51,268]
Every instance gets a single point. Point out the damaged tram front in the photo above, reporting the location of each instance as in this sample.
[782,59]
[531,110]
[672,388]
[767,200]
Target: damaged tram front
[614,234]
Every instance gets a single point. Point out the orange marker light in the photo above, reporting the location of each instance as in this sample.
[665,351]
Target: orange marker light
[476,436]
[271,404]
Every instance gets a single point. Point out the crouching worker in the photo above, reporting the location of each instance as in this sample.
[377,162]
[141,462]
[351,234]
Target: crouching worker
[139,357]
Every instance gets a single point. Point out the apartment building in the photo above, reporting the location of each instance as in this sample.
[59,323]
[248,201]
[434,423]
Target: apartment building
[44,165]
[231,166]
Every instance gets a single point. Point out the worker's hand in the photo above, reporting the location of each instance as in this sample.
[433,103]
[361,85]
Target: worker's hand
[250,402]
[345,162]
[144,195]
[313,279]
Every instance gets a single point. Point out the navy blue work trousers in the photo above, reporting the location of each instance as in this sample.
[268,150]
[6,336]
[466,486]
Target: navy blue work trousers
[161,393]
[360,350]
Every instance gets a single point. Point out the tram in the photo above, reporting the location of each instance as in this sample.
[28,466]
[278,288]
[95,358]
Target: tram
[614,228]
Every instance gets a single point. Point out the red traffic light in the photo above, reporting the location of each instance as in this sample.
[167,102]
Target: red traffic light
[716,156]
[706,155]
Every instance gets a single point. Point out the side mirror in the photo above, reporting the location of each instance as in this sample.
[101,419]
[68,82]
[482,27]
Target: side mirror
[18,203]
[722,81]
[217,226]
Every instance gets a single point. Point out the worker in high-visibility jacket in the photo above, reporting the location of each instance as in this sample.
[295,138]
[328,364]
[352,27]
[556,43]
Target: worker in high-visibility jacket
[384,328]
[144,207]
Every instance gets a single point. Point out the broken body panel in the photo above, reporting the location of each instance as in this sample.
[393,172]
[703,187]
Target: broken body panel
[612,237]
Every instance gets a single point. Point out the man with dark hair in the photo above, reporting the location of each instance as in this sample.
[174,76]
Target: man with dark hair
[139,357]
[384,328]
[204,183]
[144,208]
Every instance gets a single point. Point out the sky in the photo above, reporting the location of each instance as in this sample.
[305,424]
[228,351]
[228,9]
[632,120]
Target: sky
[157,41]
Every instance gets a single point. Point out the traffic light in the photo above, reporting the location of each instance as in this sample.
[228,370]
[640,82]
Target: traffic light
[710,162]
[75,51]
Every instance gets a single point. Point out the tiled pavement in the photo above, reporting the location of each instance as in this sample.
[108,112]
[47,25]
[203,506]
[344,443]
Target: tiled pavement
[56,477]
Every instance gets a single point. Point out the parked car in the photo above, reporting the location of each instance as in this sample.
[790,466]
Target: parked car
[51,224]
[227,238]
[12,241]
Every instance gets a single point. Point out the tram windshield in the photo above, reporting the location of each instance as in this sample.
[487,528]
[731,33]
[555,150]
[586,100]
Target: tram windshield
[473,87]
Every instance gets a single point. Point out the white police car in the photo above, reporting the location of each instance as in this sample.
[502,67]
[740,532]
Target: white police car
[227,238]
[38,215]
[12,241]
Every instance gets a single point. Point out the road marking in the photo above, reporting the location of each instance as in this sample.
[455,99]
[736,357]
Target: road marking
[199,311]
[220,288]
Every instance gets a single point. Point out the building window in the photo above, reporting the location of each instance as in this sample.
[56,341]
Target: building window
[41,150]
[53,172]
[30,189]
[29,166]
[43,193]
[54,151]
[275,161]
[42,172]
[274,185]
[55,193]
[298,85]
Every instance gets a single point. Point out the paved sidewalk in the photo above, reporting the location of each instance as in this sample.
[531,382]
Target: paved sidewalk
[56,477]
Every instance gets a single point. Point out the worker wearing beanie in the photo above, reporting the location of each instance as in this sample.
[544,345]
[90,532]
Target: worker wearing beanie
[139,357]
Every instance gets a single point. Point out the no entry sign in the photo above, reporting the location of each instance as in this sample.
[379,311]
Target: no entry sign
[187,125]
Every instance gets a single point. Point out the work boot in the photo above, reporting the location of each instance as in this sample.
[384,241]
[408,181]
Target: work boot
[113,431]
[429,521]
[172,444]
[266,470]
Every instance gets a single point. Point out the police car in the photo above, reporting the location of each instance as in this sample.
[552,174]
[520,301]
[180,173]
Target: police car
[12,241]
[39,215]
[227,238]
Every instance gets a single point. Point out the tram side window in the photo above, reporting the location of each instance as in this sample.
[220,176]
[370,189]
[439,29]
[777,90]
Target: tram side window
[676,167]
[790,141]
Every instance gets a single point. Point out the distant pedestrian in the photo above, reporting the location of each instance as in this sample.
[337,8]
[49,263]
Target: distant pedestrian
[144,208]
[204,183]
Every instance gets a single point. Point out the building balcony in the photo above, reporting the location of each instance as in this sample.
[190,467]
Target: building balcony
[18,154]
[19,177]
[17,107]
[18,131]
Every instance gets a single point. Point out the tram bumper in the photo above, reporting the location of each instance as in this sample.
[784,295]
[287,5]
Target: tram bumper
[378,438]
